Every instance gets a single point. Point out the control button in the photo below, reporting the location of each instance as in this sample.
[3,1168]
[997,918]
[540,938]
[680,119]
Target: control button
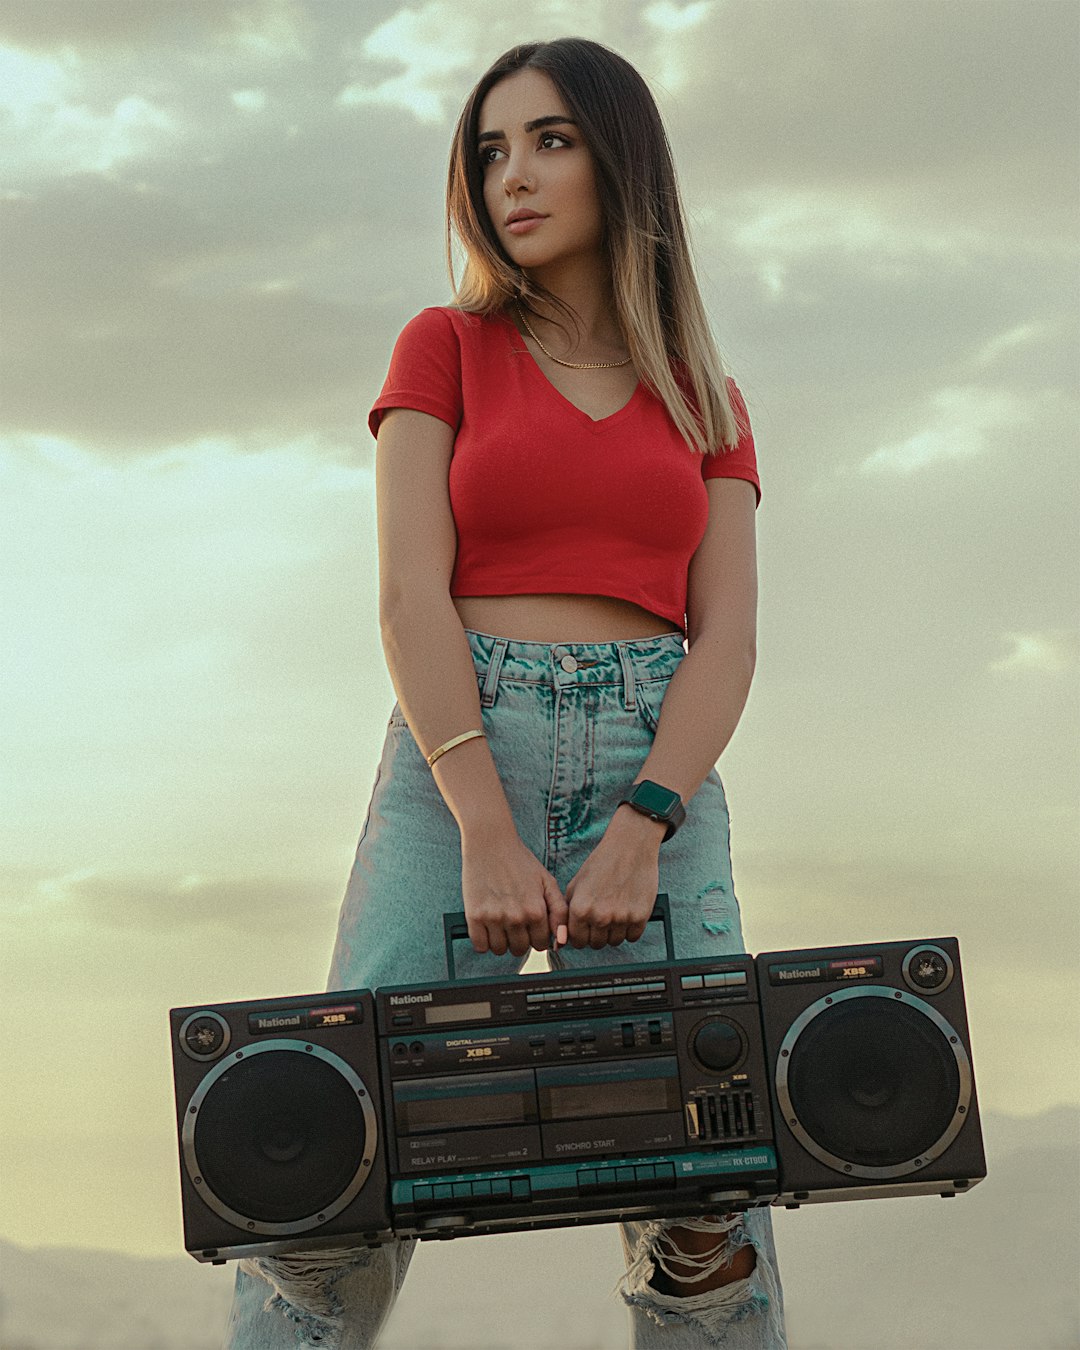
[737,977]
[718,1045]
[569,664]
[645,1173]
[533,998]
[654,1033]
[520,1188]
[586,1181]
[665,1174]
[442,1192]
[628,1035]
[587,1036]
[482,1189]
[462,1190]
[421,1195]
[402,1020]
[537,1040]
[624,1176]
[691,981]
[566,1038]
[716,981]
[500,1188]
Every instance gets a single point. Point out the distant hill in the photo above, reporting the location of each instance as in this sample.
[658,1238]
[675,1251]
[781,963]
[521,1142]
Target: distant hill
[993,1270]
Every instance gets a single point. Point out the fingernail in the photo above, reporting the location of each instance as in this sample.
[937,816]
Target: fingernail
[560,935]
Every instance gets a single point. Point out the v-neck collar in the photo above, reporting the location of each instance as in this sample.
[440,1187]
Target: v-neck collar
[597,423]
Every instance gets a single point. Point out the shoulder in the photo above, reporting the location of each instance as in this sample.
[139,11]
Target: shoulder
[446,320]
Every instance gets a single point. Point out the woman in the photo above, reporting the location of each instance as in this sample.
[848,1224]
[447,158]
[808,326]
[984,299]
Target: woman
[565,478]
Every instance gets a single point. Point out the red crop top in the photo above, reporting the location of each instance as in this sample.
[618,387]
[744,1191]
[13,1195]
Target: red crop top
[546,500]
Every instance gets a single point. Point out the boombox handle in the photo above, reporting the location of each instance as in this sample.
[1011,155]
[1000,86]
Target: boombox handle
[456,928]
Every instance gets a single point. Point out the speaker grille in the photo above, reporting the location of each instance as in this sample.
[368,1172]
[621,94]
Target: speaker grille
[873,1083]
[280,1137]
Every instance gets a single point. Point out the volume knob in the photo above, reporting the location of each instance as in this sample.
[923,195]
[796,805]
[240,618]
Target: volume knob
[718,1045]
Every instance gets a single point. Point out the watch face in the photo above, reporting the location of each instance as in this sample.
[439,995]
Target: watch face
[655,798]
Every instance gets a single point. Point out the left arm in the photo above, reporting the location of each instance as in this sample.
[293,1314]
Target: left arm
[613,894]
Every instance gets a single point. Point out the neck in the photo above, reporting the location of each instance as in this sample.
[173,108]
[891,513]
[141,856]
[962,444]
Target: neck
[589,294]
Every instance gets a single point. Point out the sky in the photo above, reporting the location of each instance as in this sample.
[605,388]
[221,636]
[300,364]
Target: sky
[216,218]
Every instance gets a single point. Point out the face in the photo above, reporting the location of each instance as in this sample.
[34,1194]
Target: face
[546,171]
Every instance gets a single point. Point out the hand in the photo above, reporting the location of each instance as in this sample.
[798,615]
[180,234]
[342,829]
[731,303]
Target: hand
[511,900]
[614,891]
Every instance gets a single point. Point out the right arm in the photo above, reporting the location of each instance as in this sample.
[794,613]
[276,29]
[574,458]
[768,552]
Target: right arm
[511,900]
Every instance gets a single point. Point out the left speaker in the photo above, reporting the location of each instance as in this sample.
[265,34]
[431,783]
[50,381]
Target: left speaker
[278,1116]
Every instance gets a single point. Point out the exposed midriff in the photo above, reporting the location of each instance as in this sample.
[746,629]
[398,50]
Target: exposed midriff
[559,618]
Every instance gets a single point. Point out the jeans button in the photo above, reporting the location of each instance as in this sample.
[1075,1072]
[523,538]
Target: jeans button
[568,664]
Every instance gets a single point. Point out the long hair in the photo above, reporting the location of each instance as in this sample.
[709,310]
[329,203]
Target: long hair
[658,302]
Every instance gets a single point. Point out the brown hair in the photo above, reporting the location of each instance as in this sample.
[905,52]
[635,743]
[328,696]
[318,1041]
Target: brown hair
[657,298]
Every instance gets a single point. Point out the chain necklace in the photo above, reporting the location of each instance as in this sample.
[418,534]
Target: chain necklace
[574,365]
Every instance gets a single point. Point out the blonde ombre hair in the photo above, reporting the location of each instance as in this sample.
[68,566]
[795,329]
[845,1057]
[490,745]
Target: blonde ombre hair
[657,299]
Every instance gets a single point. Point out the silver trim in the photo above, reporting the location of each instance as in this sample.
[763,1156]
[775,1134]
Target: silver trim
[844,1165]
[244,1221]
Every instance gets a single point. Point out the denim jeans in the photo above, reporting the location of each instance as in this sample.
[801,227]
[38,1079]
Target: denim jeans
[569,726]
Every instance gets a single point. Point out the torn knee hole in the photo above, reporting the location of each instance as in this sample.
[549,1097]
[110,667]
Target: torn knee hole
[302,1289]
[695,1258]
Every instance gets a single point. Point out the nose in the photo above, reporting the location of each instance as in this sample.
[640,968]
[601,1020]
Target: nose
[515,178]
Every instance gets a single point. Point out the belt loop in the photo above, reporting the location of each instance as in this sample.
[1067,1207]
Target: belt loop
[629,691]
[491,684]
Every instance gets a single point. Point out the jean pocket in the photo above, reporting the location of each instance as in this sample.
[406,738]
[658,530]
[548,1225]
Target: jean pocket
[649,695]
[397,719]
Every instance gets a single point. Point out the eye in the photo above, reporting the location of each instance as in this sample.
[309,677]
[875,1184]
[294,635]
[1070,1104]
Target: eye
[552,136]
[487,153]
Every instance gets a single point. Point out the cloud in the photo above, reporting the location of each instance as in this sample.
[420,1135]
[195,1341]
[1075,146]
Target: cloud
[960,422]
[1051,651]
[55,131]
[266,25]
[432,45]
[670,18]
[943,118]
[154,903]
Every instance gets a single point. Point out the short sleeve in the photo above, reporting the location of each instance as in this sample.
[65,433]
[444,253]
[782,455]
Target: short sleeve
[739,460]
[425,371]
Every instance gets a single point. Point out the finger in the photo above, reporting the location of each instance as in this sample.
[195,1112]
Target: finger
[496,939]
[616,934]
[634,931]
[558,908]
[517,938]
[577,930]
[598,936]
[539,933]
[479,935]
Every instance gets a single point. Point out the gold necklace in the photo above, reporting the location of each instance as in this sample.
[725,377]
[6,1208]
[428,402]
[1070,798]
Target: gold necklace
[574,365]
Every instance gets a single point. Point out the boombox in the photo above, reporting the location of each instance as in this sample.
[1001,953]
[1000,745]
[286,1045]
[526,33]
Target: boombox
[669,1090]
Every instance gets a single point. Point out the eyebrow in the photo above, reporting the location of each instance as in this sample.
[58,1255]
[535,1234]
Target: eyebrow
[534,125]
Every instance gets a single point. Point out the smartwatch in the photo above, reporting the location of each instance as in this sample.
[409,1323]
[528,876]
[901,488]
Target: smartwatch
[658,803]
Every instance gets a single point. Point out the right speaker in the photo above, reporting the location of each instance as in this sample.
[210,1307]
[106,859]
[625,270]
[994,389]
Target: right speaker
[870,1071]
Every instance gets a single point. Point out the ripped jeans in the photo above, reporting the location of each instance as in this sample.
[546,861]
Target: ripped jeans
[569,726]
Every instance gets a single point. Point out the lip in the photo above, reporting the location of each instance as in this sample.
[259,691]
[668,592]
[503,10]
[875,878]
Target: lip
[523,220]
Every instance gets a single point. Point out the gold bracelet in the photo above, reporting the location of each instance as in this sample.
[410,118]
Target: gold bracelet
[465,736]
